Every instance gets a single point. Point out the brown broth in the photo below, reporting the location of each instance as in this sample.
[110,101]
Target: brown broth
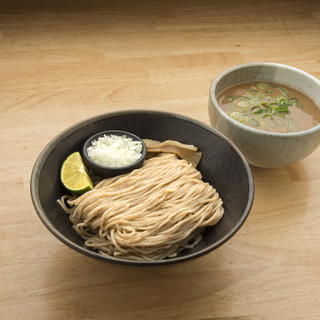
[270,107]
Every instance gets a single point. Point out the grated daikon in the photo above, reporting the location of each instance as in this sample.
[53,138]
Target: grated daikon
[115,151]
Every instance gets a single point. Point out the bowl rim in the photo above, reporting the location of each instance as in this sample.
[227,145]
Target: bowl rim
[48,149]
[93,137]
[285,135]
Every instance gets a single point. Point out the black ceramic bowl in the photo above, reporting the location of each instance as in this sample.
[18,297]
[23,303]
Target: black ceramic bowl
[221,164]
[108,172]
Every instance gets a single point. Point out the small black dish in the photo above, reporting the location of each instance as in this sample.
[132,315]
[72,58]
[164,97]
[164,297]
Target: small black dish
[107,172]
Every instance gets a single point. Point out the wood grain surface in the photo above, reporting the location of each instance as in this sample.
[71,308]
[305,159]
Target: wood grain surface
[64,61]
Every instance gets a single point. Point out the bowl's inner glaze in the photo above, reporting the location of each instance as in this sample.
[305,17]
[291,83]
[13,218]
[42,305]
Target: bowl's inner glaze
[221,165]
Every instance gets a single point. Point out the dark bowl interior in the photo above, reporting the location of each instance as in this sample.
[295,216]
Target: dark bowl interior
[222,165]
[107,172]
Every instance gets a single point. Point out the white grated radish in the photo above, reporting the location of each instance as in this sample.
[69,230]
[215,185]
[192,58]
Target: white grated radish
[115,151]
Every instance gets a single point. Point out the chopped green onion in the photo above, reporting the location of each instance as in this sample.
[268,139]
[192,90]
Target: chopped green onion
[235,114]
[256,110]
[282,90]
[240,103]
[278,122]
[263,86]
[294,101]
[244,118]
[272,124]
[292,125]
[254,101]
[254,122]
[281,114]
[282,102]
[252,92]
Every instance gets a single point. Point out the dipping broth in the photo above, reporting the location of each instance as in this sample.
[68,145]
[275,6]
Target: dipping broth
[270,107]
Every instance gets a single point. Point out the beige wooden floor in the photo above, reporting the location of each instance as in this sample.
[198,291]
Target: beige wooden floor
[65,61]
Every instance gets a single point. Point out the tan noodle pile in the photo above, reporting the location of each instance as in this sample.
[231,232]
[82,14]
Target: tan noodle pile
[150,214]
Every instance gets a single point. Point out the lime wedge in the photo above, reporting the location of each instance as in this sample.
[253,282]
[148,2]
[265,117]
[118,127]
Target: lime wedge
[74,174]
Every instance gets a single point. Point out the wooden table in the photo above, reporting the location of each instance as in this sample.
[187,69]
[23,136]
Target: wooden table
[64,61]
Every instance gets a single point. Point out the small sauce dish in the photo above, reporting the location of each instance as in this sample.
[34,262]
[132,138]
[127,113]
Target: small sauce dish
[113,152]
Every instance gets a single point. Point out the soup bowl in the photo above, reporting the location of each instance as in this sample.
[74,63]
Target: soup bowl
[222,165]
[261,148]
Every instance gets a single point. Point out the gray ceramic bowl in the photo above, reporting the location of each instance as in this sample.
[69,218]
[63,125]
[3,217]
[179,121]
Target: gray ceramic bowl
[222,165]
[265,149]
